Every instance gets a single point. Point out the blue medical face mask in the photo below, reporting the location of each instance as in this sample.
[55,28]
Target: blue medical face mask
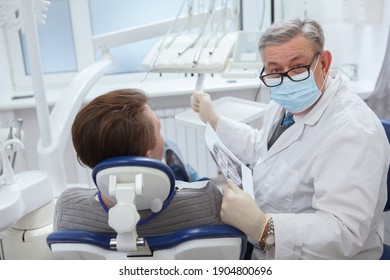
[296,97]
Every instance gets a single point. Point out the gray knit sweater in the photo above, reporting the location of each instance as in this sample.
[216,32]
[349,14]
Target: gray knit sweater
[78,209]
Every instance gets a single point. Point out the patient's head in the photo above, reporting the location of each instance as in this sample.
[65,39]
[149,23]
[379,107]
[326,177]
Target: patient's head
[118,123]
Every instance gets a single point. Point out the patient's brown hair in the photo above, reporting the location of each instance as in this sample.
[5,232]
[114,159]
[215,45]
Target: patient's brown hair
[113,124]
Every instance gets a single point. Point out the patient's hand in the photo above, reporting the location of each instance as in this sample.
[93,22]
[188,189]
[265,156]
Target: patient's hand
[238,209]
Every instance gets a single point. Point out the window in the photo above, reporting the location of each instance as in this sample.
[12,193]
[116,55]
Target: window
[121,14]
[56,41]
[65,39]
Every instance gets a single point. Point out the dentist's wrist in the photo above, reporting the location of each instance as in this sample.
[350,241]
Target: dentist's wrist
[214,122]
[267,237]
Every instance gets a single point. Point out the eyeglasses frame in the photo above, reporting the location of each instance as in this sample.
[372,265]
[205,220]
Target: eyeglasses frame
[285,74]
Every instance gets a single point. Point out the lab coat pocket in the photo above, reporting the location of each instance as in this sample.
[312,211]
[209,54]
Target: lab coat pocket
[282,182]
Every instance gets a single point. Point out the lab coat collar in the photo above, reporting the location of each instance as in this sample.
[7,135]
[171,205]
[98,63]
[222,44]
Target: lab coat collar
[286,139]
[293,133]
[332,85]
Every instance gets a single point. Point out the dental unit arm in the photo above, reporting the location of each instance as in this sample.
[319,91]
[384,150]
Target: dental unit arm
[61,119]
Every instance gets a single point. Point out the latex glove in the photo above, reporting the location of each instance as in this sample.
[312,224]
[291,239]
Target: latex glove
[239,210]
[201,104]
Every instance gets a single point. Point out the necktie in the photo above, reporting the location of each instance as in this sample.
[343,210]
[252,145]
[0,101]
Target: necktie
[288,120]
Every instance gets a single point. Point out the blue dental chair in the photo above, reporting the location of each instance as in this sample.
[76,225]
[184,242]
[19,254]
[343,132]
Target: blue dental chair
[386,248]
[138,183]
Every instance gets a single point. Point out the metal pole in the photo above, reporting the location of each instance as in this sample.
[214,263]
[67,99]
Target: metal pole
[29,26]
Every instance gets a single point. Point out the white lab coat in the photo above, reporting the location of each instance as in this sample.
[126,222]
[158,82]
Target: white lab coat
[324,179]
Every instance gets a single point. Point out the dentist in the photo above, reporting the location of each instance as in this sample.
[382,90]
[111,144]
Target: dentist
[319,163]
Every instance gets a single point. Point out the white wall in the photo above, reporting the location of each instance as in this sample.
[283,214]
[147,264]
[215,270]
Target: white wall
[351,35]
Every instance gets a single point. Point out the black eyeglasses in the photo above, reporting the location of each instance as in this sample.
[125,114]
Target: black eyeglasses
[295,74]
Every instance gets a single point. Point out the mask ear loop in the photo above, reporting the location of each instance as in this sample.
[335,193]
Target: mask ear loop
[326,77]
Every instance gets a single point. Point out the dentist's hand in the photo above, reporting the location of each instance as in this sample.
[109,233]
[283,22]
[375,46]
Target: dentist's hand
[238,209]
[201,104]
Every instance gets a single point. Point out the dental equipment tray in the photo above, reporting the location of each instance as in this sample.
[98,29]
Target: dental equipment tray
[234,108]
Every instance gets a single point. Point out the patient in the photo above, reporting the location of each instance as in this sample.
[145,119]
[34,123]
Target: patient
[120,123]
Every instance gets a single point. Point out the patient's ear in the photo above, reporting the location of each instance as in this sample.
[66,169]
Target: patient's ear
[152,154]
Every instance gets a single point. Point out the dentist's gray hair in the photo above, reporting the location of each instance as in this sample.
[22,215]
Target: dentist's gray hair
[283,31]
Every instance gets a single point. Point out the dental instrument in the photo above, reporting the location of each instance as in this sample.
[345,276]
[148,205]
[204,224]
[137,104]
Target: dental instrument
[205,52]
[217,48]
[8,177]
[209,16]
[18,135]
[9,137]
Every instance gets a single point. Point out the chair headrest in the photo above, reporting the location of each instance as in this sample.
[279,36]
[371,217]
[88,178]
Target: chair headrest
[386,125]
[158,178]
